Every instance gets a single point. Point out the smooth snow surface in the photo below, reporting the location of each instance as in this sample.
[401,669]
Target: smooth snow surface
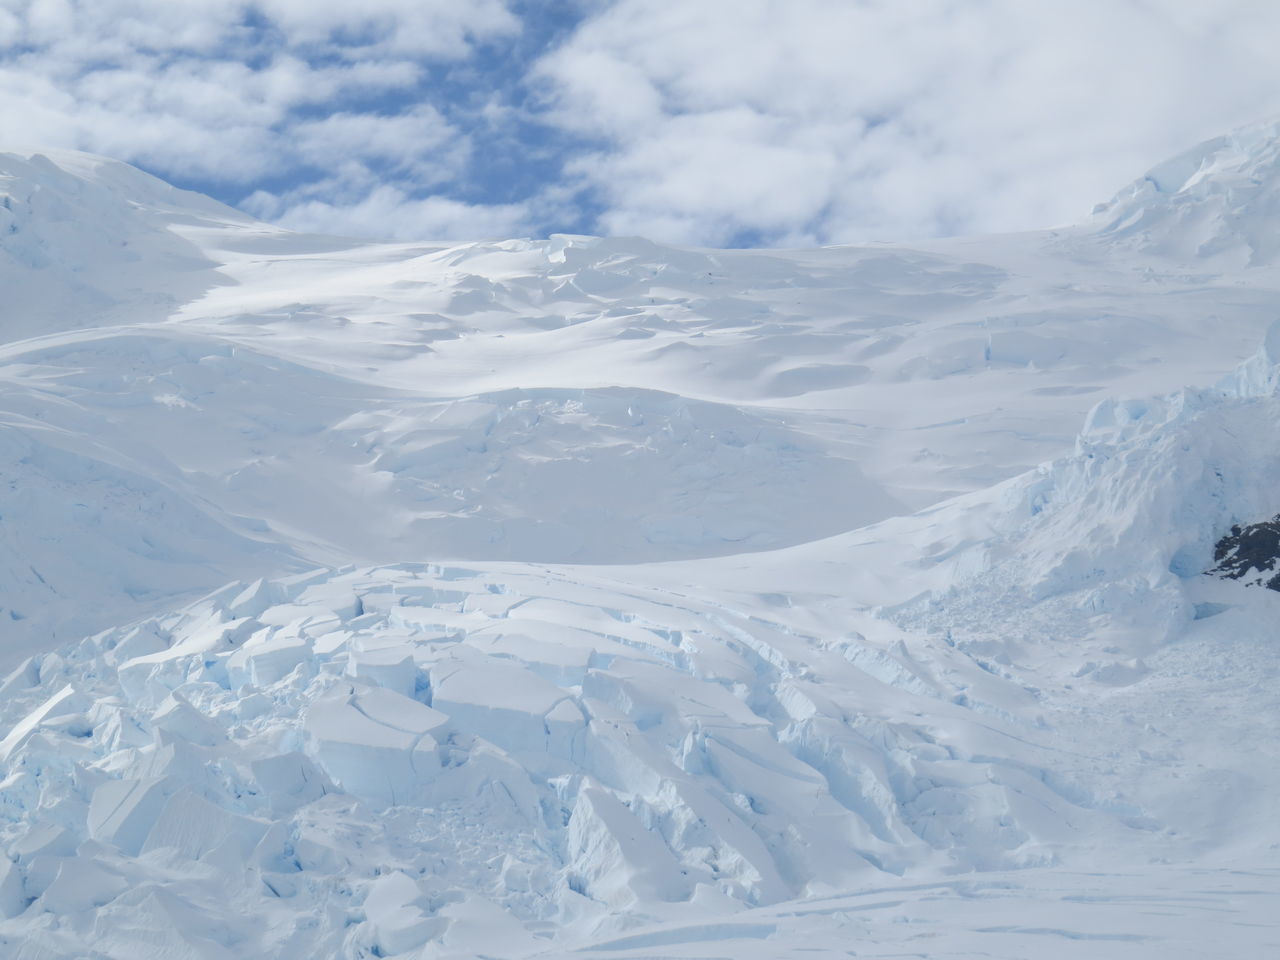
[591,597]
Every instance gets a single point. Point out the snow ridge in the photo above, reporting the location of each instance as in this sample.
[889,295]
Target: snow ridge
[1216,203]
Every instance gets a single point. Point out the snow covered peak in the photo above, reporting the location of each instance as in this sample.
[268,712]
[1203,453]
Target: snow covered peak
[85,240]
[1219,201]
[71,185]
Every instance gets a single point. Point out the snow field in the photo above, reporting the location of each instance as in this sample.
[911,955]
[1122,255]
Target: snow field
[600,597]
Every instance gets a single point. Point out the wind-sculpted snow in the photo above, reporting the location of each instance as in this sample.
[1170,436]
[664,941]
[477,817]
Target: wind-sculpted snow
[176,460]
[305,400]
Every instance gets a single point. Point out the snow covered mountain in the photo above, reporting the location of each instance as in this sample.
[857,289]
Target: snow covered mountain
[586,595]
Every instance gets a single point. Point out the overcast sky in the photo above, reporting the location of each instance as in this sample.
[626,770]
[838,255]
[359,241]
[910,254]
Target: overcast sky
[717,122]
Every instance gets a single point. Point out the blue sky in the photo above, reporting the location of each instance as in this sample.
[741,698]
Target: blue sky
[716,122]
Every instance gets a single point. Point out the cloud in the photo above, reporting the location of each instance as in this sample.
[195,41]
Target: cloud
[431,28]
[419,141]
[428,28]
[389,213]
[708,122]
[791,121]
[283,95]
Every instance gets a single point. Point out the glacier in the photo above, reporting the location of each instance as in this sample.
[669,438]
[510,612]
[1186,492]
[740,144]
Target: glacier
[592,597]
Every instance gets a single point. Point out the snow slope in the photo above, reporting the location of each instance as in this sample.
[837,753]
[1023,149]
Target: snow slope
[526,597]
[490,399]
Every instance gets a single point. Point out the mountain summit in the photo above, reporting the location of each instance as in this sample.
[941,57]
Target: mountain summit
[1217,203]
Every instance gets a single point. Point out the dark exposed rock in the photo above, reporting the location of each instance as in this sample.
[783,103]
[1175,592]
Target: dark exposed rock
[1250,554]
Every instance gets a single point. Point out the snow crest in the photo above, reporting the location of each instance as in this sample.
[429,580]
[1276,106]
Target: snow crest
[86,241]
[1216,203]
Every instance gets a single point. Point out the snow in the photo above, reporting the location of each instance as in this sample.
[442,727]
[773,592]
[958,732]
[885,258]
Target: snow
[588,596]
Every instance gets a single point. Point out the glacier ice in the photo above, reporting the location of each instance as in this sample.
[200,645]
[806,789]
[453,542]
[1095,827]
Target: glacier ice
[513,599]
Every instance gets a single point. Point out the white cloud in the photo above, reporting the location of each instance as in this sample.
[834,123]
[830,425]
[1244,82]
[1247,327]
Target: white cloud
[429,28]
[434,28]
[238,91]
[419,140]
[833,120]
[354,198]
[711,121]
[388,213]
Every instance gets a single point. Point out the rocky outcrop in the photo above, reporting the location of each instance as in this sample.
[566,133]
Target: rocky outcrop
[1250,554]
